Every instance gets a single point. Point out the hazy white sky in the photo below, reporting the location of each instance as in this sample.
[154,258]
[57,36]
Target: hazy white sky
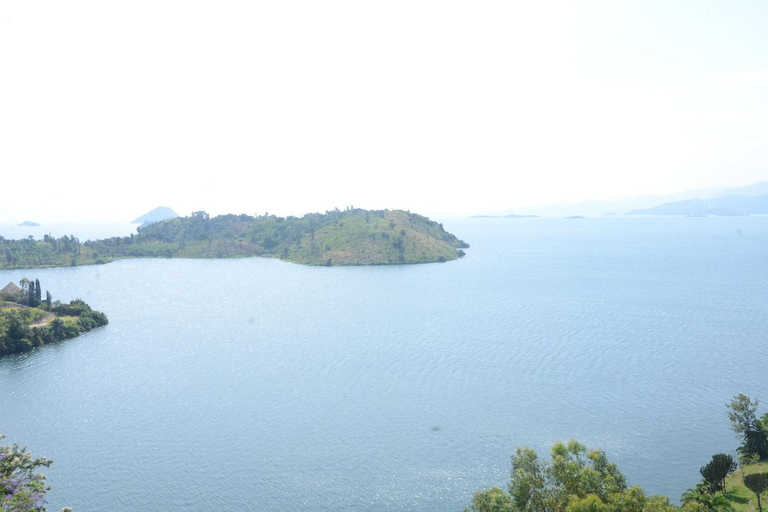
[108,109]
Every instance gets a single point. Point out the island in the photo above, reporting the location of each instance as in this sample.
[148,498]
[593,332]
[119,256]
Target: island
[28,321]
[159,214]
[29,223]
[337,237]
[510,216]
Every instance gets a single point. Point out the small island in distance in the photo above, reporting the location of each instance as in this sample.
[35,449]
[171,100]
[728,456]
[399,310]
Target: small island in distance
[510,216]
[159,214]
[338,237]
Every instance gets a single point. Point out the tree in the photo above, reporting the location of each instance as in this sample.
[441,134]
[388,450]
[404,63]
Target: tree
[576,480]
[742,414]
[48,299]
[38,292]
[758,484]
[717,470]
[528,486]
[22,488]
[755,441]
[703,497]
[58,329]
[31,294]
[492,500]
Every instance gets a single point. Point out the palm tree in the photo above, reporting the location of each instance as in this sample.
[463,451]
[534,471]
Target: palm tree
[756,440]
[704,494]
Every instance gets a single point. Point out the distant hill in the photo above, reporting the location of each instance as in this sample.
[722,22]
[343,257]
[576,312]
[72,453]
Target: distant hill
[627,204]
[159,214]
[349,237]
[28,223]
[758,189]
[723,205]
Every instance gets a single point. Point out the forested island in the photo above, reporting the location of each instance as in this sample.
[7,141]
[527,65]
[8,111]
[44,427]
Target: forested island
[28,321]
[337,237]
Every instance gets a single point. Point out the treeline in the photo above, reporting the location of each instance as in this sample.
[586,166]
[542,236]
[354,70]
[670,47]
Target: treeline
[50,251]
[337,237]
[576,479]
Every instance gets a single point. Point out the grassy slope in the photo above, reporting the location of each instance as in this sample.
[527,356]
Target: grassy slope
[739,495]
[28,315]
[372,240]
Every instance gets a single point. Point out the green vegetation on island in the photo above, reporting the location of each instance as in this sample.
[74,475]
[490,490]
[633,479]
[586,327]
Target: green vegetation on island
[576,479]
[28,321]
[348,237]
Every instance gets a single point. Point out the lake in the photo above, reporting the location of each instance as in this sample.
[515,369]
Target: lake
[255,384]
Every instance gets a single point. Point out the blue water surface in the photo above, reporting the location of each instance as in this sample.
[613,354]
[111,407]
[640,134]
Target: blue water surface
[255,384]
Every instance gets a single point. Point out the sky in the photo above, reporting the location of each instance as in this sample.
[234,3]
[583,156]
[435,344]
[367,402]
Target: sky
[109,109]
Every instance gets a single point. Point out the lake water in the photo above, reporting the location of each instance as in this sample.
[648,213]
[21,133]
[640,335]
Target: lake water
[256,384]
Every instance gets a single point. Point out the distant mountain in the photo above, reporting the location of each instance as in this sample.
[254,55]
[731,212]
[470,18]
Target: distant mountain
[28,223]
[158,214]
[758,189]
[723,205]
[627,204]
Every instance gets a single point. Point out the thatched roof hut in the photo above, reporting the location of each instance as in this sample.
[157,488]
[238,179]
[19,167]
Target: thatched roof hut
[11,289]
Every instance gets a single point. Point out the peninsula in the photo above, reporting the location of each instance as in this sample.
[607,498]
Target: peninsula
[337,237]
[28,321]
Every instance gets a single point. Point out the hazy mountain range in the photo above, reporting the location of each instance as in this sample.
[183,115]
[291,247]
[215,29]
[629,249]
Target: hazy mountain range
[713,201]
[724,205]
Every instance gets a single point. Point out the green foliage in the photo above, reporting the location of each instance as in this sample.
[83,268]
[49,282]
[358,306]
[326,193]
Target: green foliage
[717,470]
[742,413]
[704,497]
[491,500]
[574,480]
[758,484]
[24,328]
[22,487]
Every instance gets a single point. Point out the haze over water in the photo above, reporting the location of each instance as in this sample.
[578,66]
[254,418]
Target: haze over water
[255,384]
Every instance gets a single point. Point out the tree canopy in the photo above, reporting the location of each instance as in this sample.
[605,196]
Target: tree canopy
[575,479]
[758,484]
[22,486]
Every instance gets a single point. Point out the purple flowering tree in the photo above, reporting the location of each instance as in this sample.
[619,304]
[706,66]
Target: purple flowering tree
[22,487]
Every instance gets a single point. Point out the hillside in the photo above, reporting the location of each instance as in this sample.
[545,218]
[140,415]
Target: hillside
[741,498]
[349,237]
